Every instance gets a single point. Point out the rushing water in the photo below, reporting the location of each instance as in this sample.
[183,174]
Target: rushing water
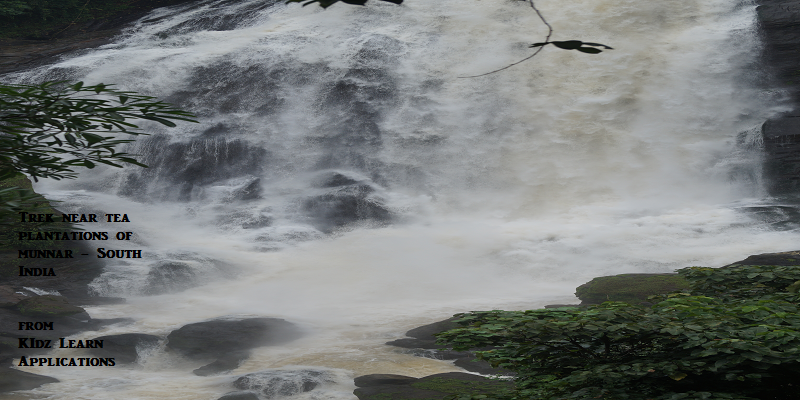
[344,178]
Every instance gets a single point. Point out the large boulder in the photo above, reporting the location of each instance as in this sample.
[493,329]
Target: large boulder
[779,26]
[782,155]
[432,387]
[226,363]
[423,344]
[787,258]
[239,396]
[215,338]
[124,348]
[344,200]
[282,383]
[13,379]
[9,297]
[383,379]
[47,306]
[630,288]
[170,277]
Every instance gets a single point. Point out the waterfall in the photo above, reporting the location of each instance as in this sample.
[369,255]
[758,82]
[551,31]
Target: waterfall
[343,177]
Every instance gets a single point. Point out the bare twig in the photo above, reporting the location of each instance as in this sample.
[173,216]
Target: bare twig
[546,39]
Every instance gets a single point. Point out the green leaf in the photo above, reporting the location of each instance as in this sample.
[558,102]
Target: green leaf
[568,44]
[599,45]
[678,376]
[590,50]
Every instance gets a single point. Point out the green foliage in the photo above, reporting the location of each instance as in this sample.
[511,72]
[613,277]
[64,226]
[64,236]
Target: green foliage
[49,129]
[328,3]
[12,8]
[575,45]
[16,194]
[685,346]
[740,281]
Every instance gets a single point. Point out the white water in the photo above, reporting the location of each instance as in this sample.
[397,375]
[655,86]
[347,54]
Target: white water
[509,190]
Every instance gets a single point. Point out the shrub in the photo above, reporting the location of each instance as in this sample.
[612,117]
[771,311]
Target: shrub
[742,344]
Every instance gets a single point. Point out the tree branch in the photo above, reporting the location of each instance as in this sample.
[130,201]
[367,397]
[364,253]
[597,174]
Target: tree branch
[546,39]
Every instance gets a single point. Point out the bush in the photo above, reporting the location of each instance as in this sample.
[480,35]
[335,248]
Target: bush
[742,343]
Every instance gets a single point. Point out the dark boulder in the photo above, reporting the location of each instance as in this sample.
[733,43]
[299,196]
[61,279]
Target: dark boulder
[382,379]
[423,344]
[249,191]
[216,338]
[345,205]
[277,383]
[9,297]
[433,387]
[47,306]
[479,366]
[13,379]
[124,348]
[427,331]
[239,396]
[786,259]
[225,363]
[411,343]
[331,179]
[630,288]
[170,277]
[782,155]
[779,25]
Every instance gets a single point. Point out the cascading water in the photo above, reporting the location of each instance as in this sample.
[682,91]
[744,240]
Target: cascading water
[343,178]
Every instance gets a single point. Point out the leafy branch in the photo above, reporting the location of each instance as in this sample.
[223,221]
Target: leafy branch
[328,3]
[47,130]
[566,45]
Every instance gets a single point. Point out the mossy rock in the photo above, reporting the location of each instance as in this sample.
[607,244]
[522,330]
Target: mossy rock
[629,288]
[434,387]
[787,258]
[47,306]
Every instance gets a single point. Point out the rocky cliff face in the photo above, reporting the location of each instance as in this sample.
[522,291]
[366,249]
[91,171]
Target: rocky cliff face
[17,55]
[779,23]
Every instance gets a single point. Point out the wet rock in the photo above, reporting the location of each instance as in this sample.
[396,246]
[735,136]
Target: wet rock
[423,344]
[12,379]
[630,288]
[169,277]
[410,343]
[433,387]
[216,338]
[226,363]
[423,336]
[331,179]
[10,297]
[345,205]
[427,332]
[787,258]
[47,306]
[239,396]
[124,347]
[778,25]
[249,191]
[277,383]
[382,379]
[96,301]
[181,171]
[782,155]
[479,366]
